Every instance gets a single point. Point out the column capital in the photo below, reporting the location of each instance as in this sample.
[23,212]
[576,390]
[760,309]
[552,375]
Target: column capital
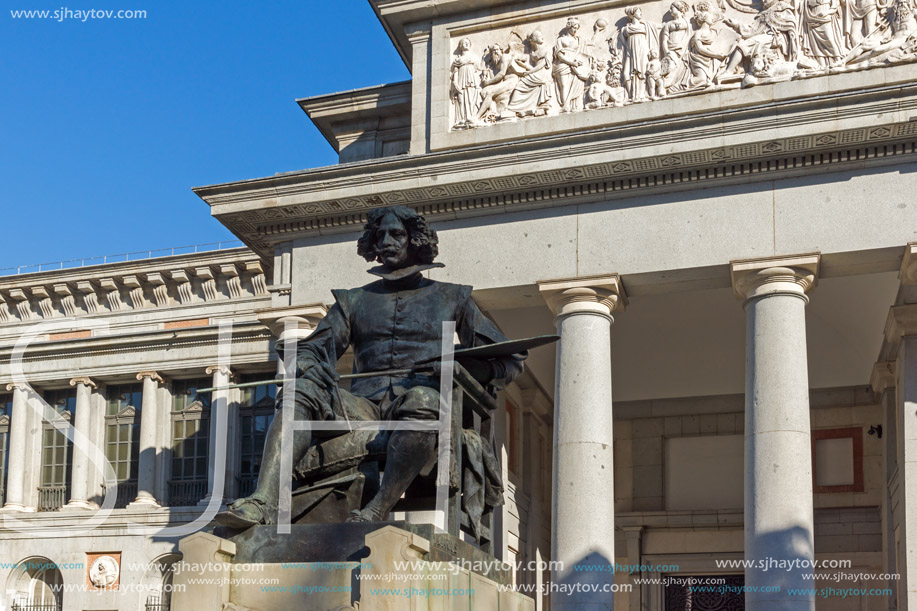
[299,320]
[795,274]
[17,386]
[224,369]
[568,296]
[84,380]
[883,377]
[908,272]
[901,322]
[150,374]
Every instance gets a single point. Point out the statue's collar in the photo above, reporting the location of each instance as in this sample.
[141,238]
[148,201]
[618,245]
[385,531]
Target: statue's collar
[403,275]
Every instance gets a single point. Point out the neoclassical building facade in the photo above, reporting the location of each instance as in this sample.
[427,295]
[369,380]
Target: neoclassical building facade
[712,205]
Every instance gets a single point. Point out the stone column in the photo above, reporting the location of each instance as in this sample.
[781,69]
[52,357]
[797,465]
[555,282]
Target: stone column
[219,403]
[19,430]
[779,521]
[583,479]
[79,488]
[146,468]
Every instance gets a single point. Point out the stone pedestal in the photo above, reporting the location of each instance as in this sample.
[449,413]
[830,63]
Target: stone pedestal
[340,567]
[779,519]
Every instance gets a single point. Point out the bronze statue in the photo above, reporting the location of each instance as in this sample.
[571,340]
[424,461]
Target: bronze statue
[392,324]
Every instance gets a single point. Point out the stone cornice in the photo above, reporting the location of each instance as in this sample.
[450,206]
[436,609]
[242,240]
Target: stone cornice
[796,274]
[565,296]
[116,288]
[665,153]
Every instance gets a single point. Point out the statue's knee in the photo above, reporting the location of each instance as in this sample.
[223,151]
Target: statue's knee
[418,403]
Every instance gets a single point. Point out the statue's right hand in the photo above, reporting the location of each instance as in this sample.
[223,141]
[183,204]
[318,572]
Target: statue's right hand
[318,372]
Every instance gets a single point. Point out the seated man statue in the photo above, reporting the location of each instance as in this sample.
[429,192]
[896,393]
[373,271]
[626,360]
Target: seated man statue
[392,324]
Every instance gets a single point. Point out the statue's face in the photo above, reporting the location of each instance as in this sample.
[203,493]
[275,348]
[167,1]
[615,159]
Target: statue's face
[393,243]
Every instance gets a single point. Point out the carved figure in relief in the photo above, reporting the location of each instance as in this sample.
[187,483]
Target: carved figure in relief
[894,39]
[464,89]
[824,37]
[636,35]
[703,58]
[673,40]
[570,71]
[609,93]
[655,82]
[862,18]
[532,95]
[498,86]
[782,17]
[596,49]
[768,66]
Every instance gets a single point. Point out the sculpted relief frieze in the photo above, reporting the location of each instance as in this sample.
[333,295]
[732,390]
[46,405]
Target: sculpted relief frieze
[642,53]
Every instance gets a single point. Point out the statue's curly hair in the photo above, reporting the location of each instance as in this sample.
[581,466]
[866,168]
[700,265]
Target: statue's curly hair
[422,237]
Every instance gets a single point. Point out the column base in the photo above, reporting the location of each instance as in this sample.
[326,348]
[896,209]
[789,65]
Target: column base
[143,502]
[12,507]
[79,506]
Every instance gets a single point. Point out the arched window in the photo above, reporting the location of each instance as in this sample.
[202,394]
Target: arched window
[37,585]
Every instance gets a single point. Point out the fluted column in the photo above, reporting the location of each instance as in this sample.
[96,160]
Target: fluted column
[778,451]
[583,481]
[146,467]
[19,430]
[219,403]
[79,487]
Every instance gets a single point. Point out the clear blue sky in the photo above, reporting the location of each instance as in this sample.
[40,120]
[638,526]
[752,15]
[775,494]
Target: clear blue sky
[107,124]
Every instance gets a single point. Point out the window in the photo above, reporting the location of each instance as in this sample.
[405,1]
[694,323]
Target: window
[837,460]
[6,409]
[190,442]
[56,452]
[256,410]
[122,437]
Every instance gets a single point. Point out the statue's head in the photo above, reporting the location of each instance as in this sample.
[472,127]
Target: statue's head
[397,237]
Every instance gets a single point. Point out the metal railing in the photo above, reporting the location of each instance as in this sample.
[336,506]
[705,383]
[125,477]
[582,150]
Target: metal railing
[126,493]
[26,606]
[52,498]
[119,258]
[155,603]
[247,485]
[188,492]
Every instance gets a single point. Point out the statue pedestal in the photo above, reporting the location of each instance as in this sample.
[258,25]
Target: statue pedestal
[387,566]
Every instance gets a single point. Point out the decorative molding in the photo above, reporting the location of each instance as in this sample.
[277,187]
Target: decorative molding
[256,271]
[797,275]
[568,296]
[85,381]
[112,293]
[230,273]
[135,291]
[629,177]
[208,282]
[182,281]
[23,307]
[160,288]
[65,295]
[90,300]
[299,320]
